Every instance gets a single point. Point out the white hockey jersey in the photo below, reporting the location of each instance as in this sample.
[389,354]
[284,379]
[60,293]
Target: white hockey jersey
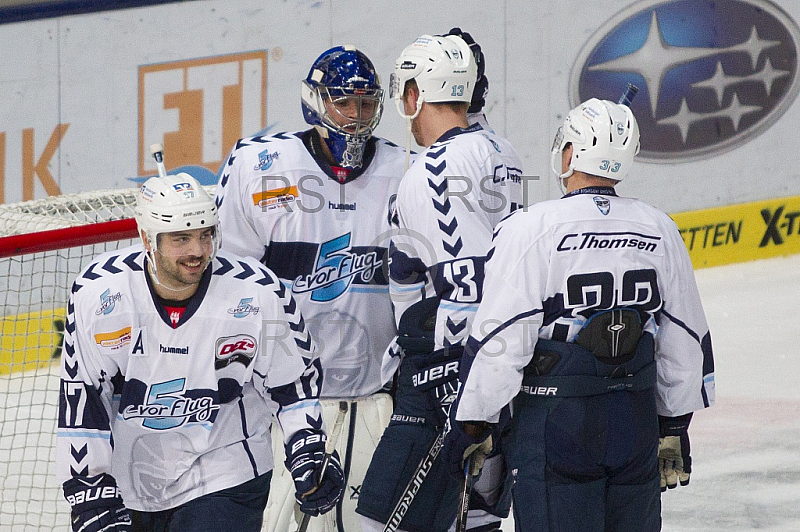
[176,413]
[447,205]
[558,261]
[328,241]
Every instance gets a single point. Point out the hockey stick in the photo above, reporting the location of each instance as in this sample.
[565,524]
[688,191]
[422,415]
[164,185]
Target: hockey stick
[629,94]
[466,491]
[330,446]
[415,483]
[158,154]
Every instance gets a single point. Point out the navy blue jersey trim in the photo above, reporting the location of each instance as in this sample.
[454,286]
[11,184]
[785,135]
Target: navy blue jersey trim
[194,301]
[245,445]
[683,326]
[473,346]
[451,133]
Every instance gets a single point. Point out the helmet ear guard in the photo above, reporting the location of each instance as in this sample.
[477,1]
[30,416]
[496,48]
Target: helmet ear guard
[604,137]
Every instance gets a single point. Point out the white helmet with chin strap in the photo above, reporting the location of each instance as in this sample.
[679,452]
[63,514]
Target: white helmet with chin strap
[604,137]
[174,203]
[443,67]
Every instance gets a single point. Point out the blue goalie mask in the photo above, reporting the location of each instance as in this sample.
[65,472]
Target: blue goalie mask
[342,97]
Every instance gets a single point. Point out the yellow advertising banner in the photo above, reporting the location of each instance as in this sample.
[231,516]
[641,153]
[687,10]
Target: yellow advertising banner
[742,232]
[30,340]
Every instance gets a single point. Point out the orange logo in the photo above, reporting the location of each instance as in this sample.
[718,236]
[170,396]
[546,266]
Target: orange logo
[272,199]
[115,339]
[198,108]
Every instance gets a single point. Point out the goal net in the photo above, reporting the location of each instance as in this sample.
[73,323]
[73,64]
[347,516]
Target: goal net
[43,246]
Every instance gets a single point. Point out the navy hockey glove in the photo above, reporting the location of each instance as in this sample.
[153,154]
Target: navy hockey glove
[96,504]
[305,454]
[464,439]
[674,461]
[481,90]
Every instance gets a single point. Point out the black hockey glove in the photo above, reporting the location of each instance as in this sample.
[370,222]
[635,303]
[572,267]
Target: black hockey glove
[305,454]
[96,504]
[481,90]
[674,461]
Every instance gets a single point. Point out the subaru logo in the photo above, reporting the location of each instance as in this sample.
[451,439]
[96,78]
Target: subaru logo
[712,75]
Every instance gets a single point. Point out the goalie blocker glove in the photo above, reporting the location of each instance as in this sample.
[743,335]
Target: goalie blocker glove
[316,491]
[96,504]
[674,460]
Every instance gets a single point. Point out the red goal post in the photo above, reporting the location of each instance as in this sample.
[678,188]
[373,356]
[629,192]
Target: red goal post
[43,246]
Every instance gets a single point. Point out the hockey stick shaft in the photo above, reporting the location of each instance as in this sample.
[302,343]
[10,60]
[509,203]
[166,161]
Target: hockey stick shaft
[158,154]
[415,483]
[629,94]
[466,492]
[330,446]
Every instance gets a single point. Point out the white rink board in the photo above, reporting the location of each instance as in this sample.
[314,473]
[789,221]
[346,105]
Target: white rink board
[82,72]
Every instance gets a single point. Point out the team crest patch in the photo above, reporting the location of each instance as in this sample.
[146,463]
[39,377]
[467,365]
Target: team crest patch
[244,308]
[602,204]
[265,159]
[275,198]
[107,302]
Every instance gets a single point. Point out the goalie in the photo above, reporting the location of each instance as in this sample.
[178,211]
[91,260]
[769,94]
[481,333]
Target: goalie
[311,205]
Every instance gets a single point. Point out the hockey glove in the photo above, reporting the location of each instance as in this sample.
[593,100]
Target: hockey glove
[96,504]
[316,491]
[481,89]
[674,460]
[464,439]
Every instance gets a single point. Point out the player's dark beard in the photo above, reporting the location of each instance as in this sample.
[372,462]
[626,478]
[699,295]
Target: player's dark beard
[169,272]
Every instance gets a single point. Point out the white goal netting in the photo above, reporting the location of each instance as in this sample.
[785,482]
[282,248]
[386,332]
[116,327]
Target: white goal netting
[43,246]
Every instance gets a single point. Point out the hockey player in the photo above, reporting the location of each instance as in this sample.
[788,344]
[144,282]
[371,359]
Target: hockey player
[312,205]
[447,206]
[592,326]
[175,358]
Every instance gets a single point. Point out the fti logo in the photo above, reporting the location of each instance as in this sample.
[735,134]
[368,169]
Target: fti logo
[197,109]
[712,74]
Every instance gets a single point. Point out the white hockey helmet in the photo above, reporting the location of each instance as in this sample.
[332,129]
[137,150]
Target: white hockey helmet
[443,67]
[604,137]
[174,203]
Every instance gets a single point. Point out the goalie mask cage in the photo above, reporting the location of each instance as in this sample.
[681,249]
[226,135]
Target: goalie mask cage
[43,246]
